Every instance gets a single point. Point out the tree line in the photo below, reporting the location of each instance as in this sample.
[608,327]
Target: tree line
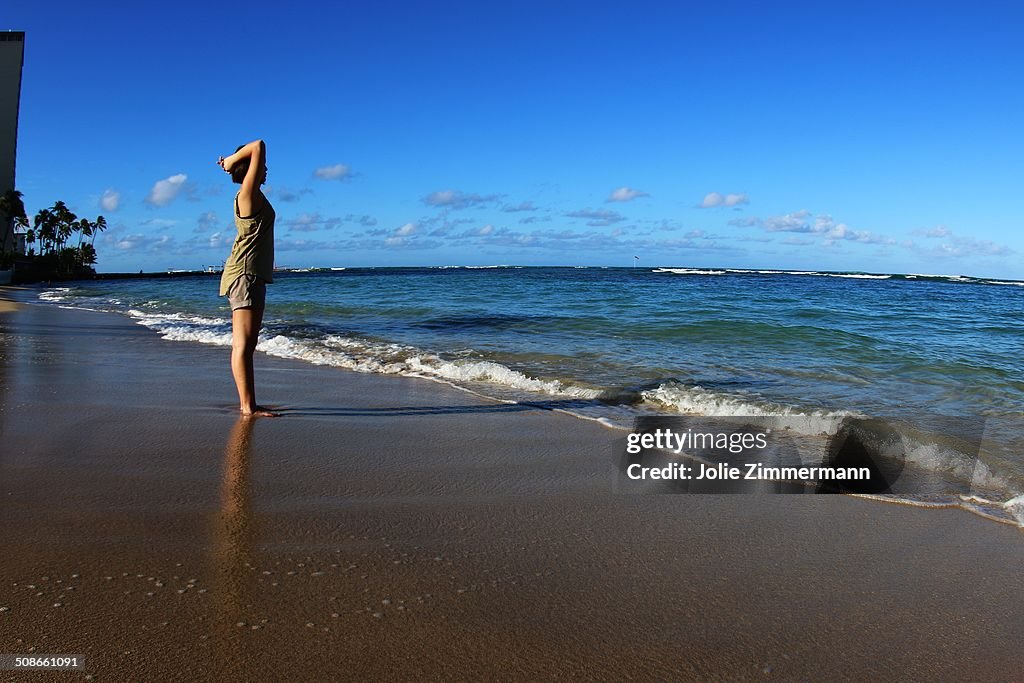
[53,230]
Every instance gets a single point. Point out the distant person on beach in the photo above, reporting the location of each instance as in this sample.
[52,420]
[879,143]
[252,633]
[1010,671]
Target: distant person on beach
[250,266]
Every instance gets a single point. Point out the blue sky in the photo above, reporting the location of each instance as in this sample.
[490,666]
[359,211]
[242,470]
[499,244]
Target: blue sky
[845,136]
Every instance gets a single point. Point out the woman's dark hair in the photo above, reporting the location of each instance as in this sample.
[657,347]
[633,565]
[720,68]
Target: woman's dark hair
[239,170]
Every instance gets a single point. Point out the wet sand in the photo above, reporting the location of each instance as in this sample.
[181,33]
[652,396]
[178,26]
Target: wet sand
[394,528]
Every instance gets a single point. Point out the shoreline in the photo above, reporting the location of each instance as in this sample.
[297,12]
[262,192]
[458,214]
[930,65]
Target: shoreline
[433,534]
[982,503]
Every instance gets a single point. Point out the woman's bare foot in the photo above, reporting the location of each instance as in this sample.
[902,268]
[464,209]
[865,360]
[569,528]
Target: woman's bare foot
[258,411]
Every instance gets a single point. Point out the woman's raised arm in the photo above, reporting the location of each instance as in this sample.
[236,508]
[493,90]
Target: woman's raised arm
[256,154]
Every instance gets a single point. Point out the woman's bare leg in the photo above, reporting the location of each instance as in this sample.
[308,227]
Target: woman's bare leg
[245,328]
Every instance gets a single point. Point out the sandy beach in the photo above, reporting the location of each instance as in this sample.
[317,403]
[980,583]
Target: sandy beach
[400,529]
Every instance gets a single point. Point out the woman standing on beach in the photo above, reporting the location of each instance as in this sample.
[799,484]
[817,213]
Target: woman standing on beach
[250,266]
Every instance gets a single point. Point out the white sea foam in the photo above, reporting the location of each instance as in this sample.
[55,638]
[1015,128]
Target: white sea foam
[56,294]
[1015,506]
[360,355]
[936,458]
[182,327]
[852,276]
[696,400]
[774,272]
[378,357]
[496,373]
[184,333]
[688,271]
[931,457]
[342,352]
[982,507]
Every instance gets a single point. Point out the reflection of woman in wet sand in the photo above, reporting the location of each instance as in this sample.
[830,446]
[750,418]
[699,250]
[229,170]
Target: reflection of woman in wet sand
[250,267]
[233,541]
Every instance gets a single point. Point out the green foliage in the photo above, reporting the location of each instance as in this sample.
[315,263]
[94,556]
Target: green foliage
[12,211]
[52,230]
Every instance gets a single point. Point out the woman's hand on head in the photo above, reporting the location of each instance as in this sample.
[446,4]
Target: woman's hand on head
[224,163]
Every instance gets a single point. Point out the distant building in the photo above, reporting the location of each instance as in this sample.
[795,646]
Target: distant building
[12,56]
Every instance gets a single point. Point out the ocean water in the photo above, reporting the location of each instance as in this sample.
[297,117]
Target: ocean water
[614,343]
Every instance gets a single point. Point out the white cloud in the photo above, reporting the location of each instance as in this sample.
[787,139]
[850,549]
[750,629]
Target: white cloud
[218,241]
[407,235]
[110,200]
[335,172]
[823,226]
[206,221]
[597,217]
[954,245]
[454,199]
[164,191]
[937,231]
[617,241]
[286,195]
[969,247]
[442,197]
[522,206]
[364,220]
[790,222]
[159,223]
[484,231]
[823,229]
[713,199]
[400,237]
[625,194]
[139,242]
[308,222]
[305,222]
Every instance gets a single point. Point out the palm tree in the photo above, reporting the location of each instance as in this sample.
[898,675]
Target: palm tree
[99,226]
[46,226]
[84,230]
[87,255]
[13,209]
[65,222]
[51,230]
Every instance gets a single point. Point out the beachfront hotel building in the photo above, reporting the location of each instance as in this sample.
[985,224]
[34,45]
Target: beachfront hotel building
[12,54]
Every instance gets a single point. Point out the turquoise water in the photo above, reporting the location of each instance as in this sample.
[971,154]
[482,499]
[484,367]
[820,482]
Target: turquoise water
[614,343]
